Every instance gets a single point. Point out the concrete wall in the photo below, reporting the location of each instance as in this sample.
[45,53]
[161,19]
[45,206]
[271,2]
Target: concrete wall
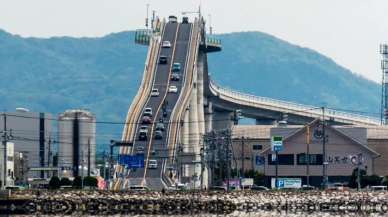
[381,147]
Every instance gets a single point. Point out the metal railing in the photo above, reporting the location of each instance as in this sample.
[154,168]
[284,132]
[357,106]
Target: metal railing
[291,107]
[213,41]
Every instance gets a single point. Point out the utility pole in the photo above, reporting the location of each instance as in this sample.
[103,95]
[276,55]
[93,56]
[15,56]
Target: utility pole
[104,165]
[89,156]
[324,168]
[276,169]
[228,160]
[242,157]
[308,155]
[5,138]
[49,155]
[82,170]
[146,20]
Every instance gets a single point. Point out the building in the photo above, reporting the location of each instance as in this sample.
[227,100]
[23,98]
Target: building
[77,143]
[10,178]
[344,146]
[30,132]
[21,168]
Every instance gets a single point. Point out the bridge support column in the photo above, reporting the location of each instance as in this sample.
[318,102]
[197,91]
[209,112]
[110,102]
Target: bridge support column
[208,116]
[222,120]
[201,114]
[185,135]
[194,137]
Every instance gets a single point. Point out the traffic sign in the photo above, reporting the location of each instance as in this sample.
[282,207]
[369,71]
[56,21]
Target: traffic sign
[277,143]
[132,161]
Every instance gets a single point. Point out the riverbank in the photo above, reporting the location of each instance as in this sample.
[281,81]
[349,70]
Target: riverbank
[193,203]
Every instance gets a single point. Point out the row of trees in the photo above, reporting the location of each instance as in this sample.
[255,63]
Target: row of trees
[56,183]
[366,180]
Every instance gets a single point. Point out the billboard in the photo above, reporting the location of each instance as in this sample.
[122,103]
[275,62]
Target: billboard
[286,183]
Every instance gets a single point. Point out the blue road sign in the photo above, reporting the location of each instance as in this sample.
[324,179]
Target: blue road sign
[259,160]
[132,161]
[278,148]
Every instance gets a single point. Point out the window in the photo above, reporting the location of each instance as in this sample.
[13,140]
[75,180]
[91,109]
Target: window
[284,159]
[315,159]
[257,147]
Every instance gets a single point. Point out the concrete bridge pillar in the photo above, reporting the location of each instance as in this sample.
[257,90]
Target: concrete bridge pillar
[222,120]
[194,135]
[208,116]
[185,132]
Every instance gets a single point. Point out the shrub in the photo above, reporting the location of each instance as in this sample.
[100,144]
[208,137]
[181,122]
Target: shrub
[54,183]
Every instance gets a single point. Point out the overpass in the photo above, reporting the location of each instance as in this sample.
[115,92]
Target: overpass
[198,106]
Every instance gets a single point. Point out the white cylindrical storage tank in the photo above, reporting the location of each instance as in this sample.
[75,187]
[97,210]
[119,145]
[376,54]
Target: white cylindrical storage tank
[77,143]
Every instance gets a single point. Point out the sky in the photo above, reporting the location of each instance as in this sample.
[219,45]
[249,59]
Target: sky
[348,31]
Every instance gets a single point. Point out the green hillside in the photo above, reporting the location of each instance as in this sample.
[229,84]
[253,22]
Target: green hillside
[103,74]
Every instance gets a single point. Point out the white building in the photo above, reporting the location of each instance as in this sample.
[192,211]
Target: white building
[77,143]
[10,164]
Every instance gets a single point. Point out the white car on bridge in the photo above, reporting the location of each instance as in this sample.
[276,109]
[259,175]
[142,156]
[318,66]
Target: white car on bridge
[172,89]
[155,92]
[166,44]
[152,164]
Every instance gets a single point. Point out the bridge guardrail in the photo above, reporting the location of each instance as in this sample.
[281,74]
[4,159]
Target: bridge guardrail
[290,107]
[184,98]
[138,101]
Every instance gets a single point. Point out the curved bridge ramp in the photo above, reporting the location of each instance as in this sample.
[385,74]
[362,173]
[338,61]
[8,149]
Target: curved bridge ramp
[271,107]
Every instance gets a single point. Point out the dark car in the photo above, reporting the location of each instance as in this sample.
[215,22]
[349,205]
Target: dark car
[158,134]
[175,77]
[185,20]
[143,132]
[159,126]
[146,120]
[172,19]
[163,60]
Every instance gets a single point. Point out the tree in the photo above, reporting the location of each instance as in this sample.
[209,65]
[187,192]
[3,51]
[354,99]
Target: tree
[54,183]
[372,180]
[77,182]
[353,178]
[66,182]
[90,181]
[385,181]
[258,178]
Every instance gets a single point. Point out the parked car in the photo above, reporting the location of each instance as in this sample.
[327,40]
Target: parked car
[172,19]
[159,126]
[158,134]
[185,20]
[146,120]
[163,60]
[176,67]
[175,77]
[217,188]
[259,188]
[166,44]
[172,89]
[147,112]
[152,164]
[138,188]
[154,92]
